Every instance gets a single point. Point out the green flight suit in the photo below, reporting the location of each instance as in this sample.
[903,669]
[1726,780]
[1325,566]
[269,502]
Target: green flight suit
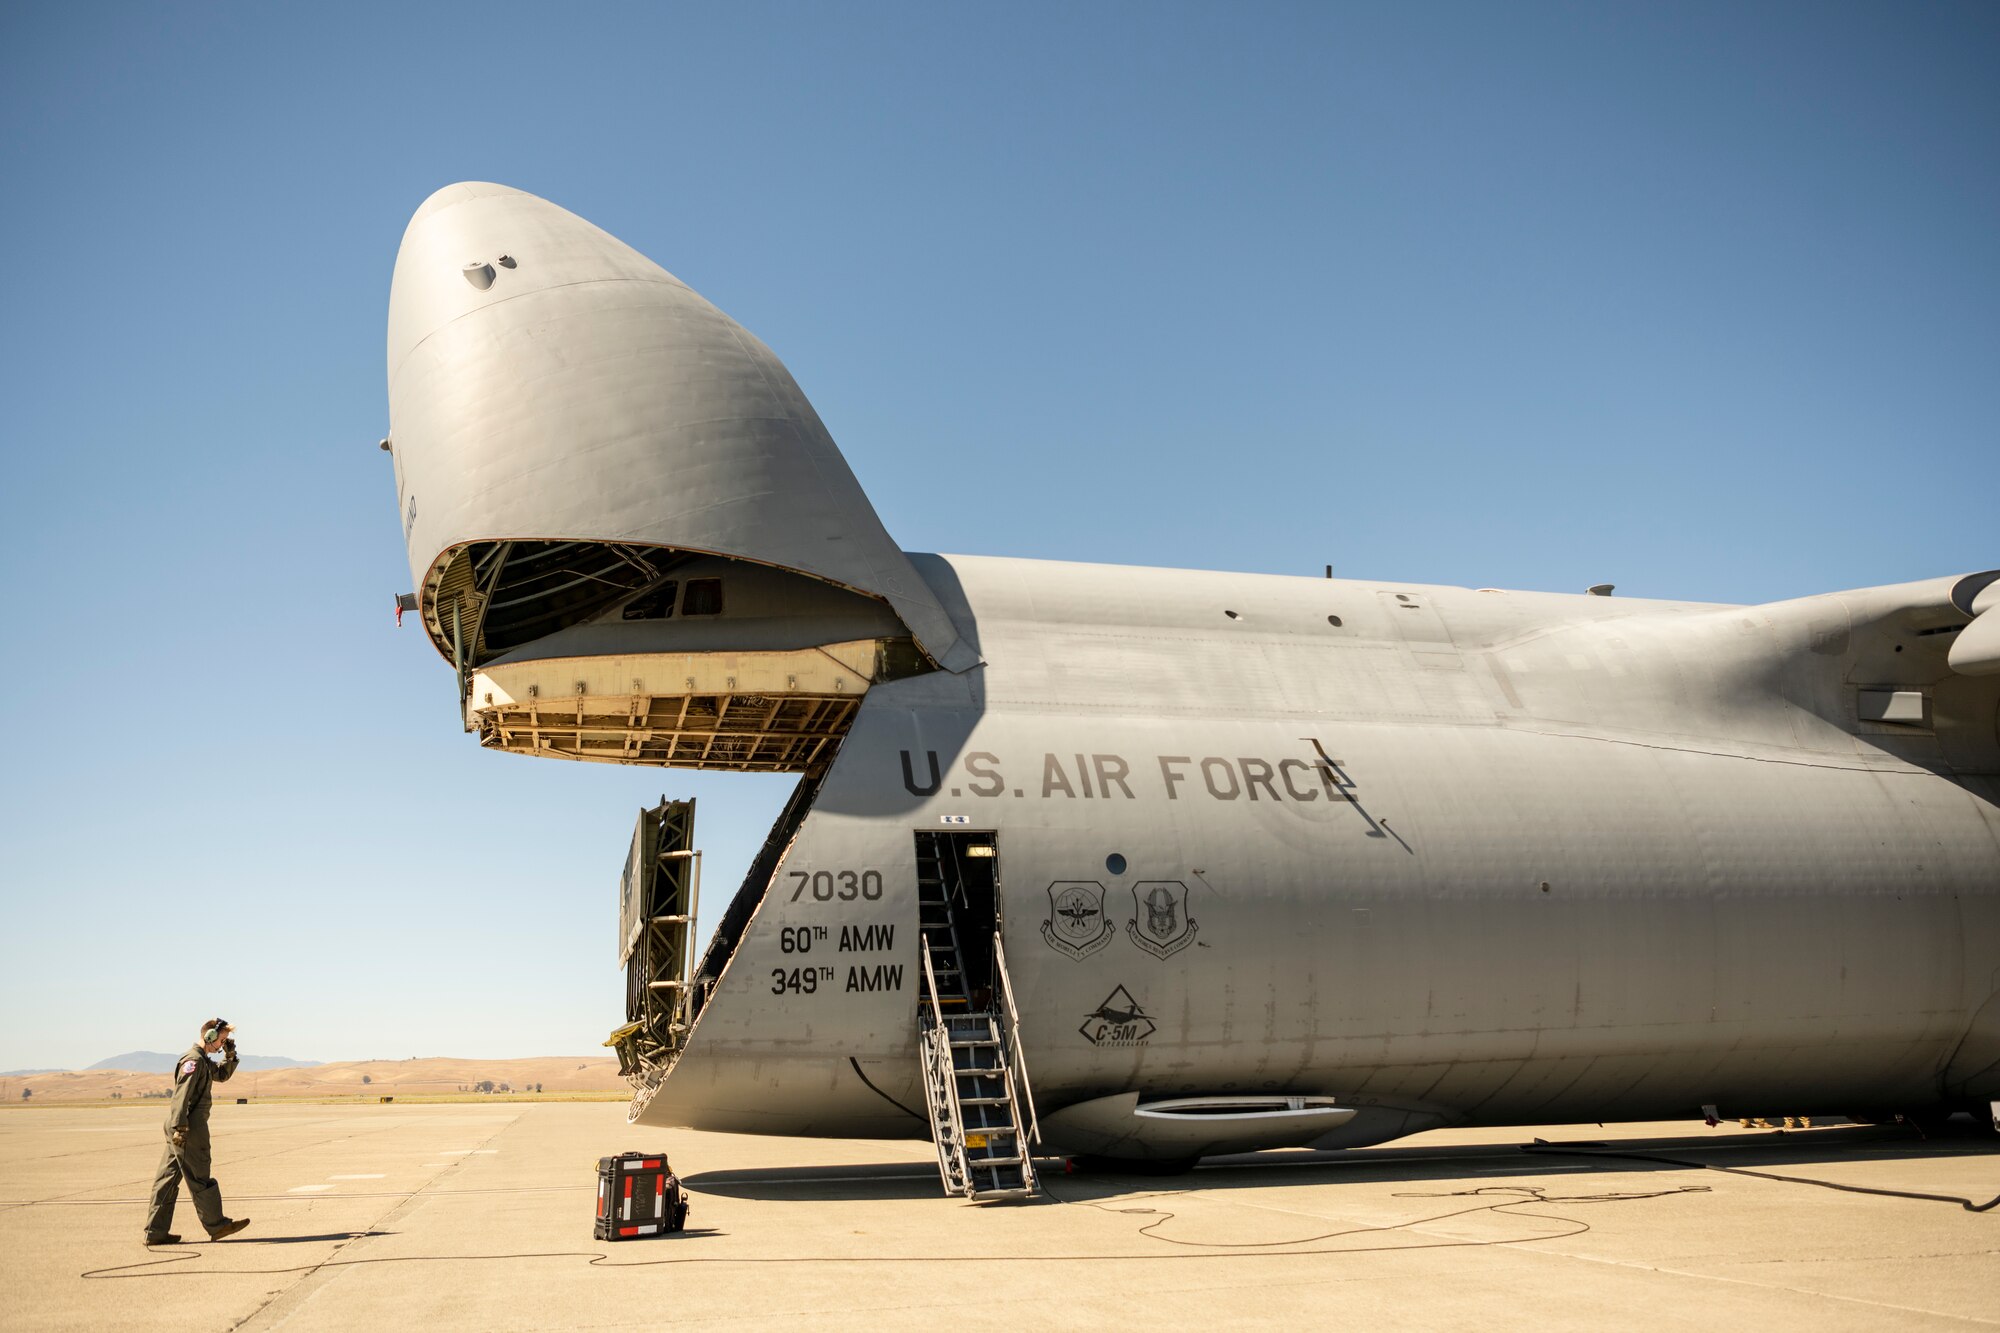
[194,1074]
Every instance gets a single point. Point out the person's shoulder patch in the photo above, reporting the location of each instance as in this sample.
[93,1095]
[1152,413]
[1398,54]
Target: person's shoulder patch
[187,1065]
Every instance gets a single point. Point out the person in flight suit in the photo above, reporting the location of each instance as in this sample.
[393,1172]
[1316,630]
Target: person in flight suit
[187,1140]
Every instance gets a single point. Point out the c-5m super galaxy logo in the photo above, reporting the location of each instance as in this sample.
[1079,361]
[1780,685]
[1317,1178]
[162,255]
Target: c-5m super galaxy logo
[1119,1021]
[1076,924]
[1160,923]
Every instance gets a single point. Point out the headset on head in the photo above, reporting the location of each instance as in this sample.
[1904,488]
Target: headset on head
[212,1029]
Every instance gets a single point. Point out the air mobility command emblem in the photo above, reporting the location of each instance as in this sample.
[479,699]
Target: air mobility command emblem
[1160,923]
[1076,924]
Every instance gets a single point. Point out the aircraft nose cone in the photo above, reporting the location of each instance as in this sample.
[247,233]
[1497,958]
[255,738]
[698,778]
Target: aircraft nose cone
[461,192]
[547,382]
[475,243]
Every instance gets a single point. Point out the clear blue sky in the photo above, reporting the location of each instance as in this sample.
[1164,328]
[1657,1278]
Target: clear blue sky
[1699,299]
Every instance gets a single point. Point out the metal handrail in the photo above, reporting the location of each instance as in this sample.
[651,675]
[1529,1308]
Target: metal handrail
[948,1074]
[930,977]
[1019,1062]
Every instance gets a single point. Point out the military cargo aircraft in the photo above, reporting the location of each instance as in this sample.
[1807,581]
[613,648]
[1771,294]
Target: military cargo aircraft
[1157,863]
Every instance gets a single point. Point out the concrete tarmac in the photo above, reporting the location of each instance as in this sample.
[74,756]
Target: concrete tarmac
[479,1216]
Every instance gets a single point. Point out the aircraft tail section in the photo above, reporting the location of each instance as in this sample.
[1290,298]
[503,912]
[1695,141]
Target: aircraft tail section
[1913,668]
[1976,650]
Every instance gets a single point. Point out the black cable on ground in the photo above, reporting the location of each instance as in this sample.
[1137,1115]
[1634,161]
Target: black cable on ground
[1542,1147]
[1514,1203]
[1528,1193]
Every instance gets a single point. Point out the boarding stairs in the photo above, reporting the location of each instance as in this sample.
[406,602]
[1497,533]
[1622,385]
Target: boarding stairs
[982,1111]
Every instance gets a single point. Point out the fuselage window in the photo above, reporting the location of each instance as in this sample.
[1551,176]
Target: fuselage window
[704,598]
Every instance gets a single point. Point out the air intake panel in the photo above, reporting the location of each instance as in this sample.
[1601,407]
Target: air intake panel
[561,405]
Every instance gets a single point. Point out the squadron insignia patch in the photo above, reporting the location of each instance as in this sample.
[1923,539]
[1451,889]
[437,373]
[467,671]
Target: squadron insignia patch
[187,1066]
[1076,924]
[1160,923]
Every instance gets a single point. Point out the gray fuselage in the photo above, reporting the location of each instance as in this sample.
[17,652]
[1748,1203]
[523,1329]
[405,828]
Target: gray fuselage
[1571,858]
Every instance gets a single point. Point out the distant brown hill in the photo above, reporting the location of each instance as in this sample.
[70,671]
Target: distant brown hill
[551,1073]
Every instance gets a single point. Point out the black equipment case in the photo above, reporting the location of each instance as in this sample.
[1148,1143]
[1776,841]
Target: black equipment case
[638,1194]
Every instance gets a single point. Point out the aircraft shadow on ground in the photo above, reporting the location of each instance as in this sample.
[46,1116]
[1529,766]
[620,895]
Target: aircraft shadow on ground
[854,1181]
[1762,1150]
[1502,1160]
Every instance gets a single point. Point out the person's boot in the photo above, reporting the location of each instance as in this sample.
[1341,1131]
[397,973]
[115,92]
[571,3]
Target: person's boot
[164,1238]
[228,1228]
